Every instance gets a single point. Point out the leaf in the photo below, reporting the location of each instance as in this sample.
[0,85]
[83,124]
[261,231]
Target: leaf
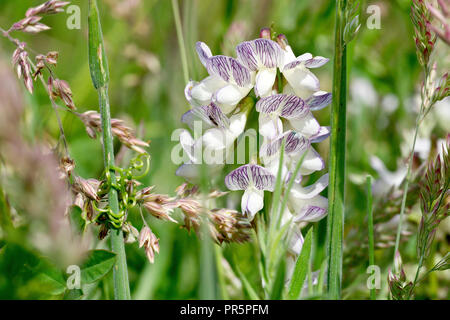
[278,284]
[51,278]
[301,268]
[75,294]
[251,293]
[5,212]
[98,264]
[98,63]
[76,220]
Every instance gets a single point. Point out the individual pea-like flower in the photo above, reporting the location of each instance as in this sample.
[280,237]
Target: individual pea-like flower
[228,82]
[254,180]
[306,203]
[221,131]
[296,70]
[293,109]
[295,148]
[217,139]
[262,56]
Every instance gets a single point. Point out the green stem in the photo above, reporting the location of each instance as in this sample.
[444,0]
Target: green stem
[184,61]
[410,162]
[220,273]
[335,222]
[422,256]
[405,192]
[373,292]
[100,77]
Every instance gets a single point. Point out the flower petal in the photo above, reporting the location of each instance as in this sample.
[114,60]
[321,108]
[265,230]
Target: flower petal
[316,62]
[188,143]
[319,100]
[311,210]
[252,202]
[250,175]
[265,80]
[295,143]
[312,162]
[307,126]
[200,93]
[323,134]
[228,97]
[211,115]
[259,53]
[270,126]
[215,139]
[296,241]
[203,51]
[286,106]
[262,178]
[238,179]
[303,81]
[310,191]
[229,70]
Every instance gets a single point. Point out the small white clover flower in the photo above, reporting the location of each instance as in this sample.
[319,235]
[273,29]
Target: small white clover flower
[254,180]
[229,81]
[262,56]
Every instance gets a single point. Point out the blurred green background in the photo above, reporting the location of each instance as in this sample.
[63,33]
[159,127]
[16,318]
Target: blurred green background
[146,90]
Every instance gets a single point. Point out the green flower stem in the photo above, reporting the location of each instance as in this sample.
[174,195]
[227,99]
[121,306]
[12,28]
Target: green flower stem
[184,61]
[335,222]
[100,77]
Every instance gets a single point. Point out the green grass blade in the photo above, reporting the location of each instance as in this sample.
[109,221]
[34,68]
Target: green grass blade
[373,292]
[301,268]
[100,76]
[249,290]
[335,221]
[278,284]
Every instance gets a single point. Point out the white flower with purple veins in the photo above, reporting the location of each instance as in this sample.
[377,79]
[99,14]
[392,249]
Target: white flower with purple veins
[295,147]
[297,73]
[293,109]
[221,131]
[254,180]
[228,82]
[306,203]
[262,56]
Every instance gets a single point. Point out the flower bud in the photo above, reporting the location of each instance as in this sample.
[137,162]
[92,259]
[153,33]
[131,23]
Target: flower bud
[265,33]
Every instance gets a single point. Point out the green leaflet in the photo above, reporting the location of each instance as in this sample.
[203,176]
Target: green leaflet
[301,268]
[97,265]
[98,63]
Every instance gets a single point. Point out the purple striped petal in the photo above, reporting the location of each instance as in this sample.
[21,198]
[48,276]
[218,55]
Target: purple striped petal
[229,69]
[287,106]
[292,65]
[323,134]
[319,100]
[259,53]
[238,179]
[316,62]
[311,214]
[294,143]
[262,178]
[203,51]
[211,114]
[250,175]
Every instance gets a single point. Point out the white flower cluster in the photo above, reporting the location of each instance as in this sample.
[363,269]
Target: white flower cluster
[285,115]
